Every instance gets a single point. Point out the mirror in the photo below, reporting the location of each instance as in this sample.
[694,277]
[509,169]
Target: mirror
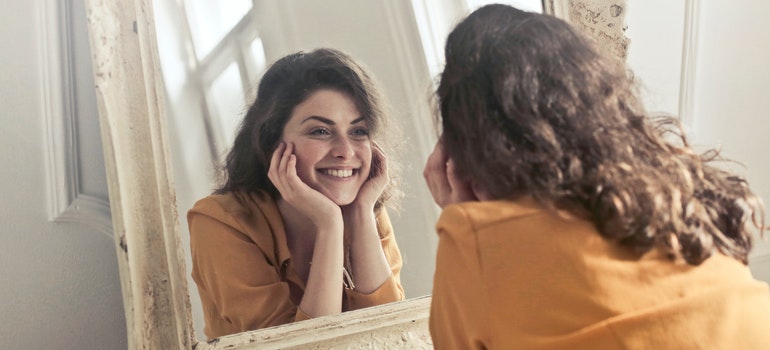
[210,81]
[132,107]
[212,63]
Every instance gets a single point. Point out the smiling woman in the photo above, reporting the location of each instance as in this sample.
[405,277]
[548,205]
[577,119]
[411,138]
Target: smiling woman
[298,229]
[208,97]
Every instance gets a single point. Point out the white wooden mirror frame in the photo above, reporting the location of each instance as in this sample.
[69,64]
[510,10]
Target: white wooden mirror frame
[129,90]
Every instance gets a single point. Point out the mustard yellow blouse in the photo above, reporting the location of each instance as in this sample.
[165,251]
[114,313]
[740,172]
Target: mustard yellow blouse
[243,270]
[510,275]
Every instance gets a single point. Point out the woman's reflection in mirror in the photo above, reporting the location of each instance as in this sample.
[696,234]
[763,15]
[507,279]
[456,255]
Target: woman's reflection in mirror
[571,219]
[298,228]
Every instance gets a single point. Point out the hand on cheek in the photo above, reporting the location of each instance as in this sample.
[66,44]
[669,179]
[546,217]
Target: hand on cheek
[377,180]
[283,174]
[441,177]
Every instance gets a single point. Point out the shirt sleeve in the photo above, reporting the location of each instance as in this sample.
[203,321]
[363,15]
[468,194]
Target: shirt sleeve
[457,306]
[240,288]
[391,290]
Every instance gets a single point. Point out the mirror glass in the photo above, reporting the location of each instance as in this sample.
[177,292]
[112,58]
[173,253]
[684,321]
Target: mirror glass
[213,53]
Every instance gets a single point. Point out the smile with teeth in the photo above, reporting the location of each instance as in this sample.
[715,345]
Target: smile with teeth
[338,173]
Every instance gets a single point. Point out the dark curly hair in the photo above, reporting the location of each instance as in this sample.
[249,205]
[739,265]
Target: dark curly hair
[288,82]
[530,107]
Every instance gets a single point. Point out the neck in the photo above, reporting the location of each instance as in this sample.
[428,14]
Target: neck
[300,236]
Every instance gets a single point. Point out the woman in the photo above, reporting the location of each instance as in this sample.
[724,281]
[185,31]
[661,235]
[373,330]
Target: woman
[569,220]
[298,229]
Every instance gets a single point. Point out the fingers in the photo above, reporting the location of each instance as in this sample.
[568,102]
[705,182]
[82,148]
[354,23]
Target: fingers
[379,167]
[432,164]
[444,183]
[461,190]
[284,163]
[435,175]
[275,160]
[292,179]
[283,168]
[451,175]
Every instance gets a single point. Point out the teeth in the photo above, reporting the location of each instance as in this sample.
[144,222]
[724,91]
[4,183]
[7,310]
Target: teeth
[339,173]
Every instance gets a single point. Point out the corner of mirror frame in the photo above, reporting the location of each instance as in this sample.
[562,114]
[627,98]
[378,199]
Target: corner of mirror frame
[604,20]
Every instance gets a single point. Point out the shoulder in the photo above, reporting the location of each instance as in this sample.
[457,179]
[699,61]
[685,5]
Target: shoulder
[232,203]
[232,208]
[481,215]
[247,217]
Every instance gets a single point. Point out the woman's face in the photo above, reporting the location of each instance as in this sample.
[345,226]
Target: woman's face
[332,145]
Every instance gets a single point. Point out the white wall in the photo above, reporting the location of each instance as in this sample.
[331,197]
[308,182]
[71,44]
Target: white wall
[731,84]
[732,94]
[59,285]
[656,30]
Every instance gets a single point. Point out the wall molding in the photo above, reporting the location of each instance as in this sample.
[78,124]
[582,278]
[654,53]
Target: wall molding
[66,203]
[88,210]
[688,70]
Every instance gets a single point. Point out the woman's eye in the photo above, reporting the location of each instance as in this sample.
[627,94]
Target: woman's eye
[320,132]
[360,132]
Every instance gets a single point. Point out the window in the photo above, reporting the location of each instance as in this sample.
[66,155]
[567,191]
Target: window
[435,19]
[211,54]
[524,5]
[210,21]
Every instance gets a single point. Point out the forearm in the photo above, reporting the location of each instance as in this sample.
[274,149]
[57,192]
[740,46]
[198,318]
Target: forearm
[324,283]
[368,263]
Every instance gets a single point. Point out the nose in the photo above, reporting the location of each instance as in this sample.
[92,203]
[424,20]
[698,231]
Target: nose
[342,148]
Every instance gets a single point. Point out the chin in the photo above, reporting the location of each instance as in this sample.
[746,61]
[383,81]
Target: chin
[342,201]
[341,196]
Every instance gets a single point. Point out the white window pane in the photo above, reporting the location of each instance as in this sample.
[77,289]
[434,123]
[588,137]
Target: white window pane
[211,20]
[227,103]
[258,54]
[524,5]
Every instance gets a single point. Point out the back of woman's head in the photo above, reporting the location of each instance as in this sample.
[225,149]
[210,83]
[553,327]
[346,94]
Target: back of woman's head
[287,83]
[530,107]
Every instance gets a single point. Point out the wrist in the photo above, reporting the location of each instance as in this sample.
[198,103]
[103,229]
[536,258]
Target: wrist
[357,210]
[332,218]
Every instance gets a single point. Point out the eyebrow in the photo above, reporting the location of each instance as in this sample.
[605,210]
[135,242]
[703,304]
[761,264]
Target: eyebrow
[328,121]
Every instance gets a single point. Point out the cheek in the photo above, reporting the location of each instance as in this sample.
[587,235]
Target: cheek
[365,154]
[303,169]
[307,157]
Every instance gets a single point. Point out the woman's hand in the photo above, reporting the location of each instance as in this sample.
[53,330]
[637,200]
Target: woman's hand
[311,203]
[323,286]
[369,266]
[376,182]
[442,179]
